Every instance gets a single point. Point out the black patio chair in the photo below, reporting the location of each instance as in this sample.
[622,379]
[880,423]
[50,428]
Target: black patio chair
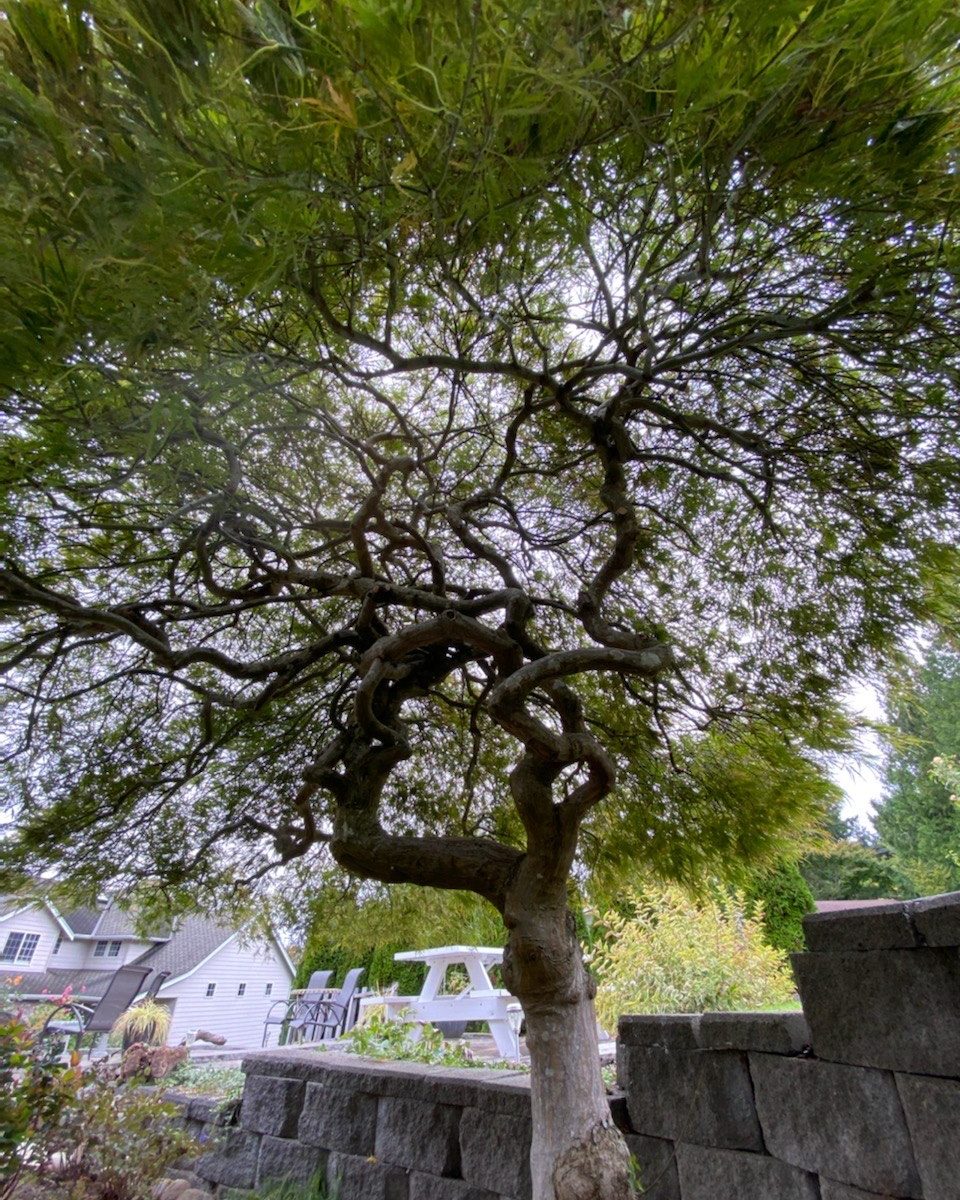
[293,1012]
[121,991]
[331,1016]
[156,983]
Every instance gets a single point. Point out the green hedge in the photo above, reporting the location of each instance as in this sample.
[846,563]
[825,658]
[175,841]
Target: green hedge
[378,964]
[786,899]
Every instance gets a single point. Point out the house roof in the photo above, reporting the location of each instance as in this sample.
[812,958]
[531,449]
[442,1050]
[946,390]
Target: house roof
[179,950]
[194,940]
[82,920]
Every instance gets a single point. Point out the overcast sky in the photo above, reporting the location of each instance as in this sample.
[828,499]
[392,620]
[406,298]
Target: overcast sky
[860,779]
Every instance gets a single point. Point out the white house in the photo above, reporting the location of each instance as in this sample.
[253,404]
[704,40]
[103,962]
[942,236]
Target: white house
[220,978]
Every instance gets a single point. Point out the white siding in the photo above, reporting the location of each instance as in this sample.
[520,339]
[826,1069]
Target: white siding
[32,920]
[237,1018]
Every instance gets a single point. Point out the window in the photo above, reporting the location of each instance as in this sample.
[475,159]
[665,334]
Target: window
[211,988]
[241,989]
[58,943]
[268,990]
[19,947]
[100,949]
[114,950]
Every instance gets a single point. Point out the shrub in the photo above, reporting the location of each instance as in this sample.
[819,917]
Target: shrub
[383,1038]
[782,896]
[672,953]
[148,1021]
[33,1096]
[115,1140]
[92,1135]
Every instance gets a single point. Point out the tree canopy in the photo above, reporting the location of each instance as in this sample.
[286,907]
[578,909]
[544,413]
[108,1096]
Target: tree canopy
[476,439]
[370,370]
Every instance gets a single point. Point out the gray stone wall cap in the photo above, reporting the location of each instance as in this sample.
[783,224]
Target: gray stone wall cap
[773,1033]
[937,918]
[879,927]
[496,1089]
[676,1030]
[894,1009]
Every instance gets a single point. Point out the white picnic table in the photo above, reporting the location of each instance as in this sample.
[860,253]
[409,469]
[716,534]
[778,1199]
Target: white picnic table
[480,1001]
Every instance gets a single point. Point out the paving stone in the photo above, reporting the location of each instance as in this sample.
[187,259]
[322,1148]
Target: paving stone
[271,1105]
[711,1174]
[431,1187]
[338,1120]
[879,927]
[932,1108]
[895,1009]
[425,1137]
[234,1163]
[656,1163]
[352,1178]
[831,1190]
[677,1030]
[495,1152]
[771,1033]
[701,1096]
[285,1158]
[937,919]
[840,1121]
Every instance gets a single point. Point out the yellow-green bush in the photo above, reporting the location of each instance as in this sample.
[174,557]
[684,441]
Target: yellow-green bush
[665,951]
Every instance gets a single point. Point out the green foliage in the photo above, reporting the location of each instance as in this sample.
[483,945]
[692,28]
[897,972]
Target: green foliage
[148,1021]
[116,1140]
[368,929]
[782,898]
[724,801]
[674,953]
[289,1189]
[34,1097]
[852,871]
[848,864]
[285,287]
[207,1079]
[408,1041]
[918,819]
[112,1138]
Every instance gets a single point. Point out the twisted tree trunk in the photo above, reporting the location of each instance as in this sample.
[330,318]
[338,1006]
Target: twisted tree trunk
[577,1152]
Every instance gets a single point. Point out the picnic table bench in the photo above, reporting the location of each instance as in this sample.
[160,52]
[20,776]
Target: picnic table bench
[480,1001]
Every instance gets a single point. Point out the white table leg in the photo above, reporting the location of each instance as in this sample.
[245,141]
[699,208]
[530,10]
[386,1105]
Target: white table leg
[508,1042]
[436,973]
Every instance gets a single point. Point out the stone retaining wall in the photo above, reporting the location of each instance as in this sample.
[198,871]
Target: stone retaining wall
[857,1097]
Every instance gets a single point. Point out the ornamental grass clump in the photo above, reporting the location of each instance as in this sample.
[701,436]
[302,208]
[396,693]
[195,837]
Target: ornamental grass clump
[147,1022]
[666,951]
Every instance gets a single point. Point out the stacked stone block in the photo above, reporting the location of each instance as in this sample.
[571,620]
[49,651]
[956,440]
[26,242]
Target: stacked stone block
[856,1098]
[376,1131]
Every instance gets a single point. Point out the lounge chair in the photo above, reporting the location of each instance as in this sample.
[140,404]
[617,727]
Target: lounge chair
[293,1013]
[156,983]
[121,991]
[332,1017]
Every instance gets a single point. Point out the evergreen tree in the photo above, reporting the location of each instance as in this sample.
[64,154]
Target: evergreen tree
[918,820]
